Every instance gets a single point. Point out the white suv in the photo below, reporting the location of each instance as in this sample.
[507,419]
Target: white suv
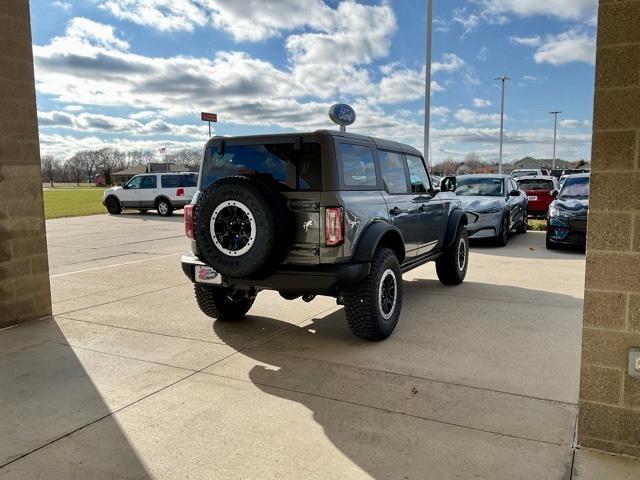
[164,192]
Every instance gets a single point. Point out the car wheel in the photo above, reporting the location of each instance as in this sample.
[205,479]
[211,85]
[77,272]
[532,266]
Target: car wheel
[113,206]
[451,267]
[503,235]
[372,308]
[222,303]
[549,243]
[242,227]
[164,208]
[523,227]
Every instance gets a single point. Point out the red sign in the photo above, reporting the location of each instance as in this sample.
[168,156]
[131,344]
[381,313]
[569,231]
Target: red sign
[209,117]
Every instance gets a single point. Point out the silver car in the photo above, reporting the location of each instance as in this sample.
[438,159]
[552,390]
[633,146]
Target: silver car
[494,205]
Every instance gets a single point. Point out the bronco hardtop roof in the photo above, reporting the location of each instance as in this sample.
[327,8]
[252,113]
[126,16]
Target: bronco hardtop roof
[378,142]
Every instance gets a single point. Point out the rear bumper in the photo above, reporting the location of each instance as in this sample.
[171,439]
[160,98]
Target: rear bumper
[316,280]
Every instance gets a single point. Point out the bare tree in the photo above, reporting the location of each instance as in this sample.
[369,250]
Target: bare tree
[75,168]
[448,167]
[90,160]
[49,166]
[139,157]
[474,163]
[185,158]
[111,160]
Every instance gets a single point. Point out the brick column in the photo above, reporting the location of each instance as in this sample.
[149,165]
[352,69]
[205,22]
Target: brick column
[24,269]
[609,398]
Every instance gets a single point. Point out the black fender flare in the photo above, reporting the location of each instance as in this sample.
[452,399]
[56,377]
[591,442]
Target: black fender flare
[375,234]
[456,218]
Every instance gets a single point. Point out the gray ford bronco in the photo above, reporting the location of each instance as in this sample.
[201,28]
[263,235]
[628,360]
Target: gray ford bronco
[323,213]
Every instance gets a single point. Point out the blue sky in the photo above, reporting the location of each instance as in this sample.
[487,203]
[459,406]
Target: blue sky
[136,73]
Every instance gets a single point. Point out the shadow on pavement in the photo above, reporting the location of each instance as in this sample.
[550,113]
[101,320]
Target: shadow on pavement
[530,245]
[47,395]
[351,386]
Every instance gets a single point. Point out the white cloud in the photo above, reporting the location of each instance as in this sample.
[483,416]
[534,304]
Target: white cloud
[530,78]
[449,64]
[483,54]
[572,46]
[563,9]
[527,41]
[82,30]
[247,20]
[471,117]
[66,6]
[439,111]
[481,103]
[571,123]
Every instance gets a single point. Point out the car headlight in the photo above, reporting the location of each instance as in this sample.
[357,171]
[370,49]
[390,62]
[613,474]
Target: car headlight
[496,209]
[554,211]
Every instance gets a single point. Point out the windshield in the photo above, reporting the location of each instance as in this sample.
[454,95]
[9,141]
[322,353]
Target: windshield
[575,187]
[479,187]
[535,184]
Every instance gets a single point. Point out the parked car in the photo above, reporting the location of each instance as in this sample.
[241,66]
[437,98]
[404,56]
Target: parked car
[324,213]
[164,192]
[494,205]
[528,172]
[567,218]
[539,193]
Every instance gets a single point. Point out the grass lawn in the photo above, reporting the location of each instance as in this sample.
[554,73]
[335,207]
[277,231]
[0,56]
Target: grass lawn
[72,202]
[537,224]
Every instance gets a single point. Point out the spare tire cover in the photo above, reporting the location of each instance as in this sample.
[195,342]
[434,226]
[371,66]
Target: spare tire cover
[235,227]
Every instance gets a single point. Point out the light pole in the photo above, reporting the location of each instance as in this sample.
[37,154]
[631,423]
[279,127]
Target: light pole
[503,79]
[555,135]
[427,85]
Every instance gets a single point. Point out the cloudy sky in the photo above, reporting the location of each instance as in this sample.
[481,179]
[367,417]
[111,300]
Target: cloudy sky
[137,73]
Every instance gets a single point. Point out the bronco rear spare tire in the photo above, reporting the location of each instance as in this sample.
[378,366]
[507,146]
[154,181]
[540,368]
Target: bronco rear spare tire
[242,226]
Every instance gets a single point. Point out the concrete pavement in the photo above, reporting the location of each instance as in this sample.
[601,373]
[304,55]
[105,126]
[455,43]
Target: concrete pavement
[131,380]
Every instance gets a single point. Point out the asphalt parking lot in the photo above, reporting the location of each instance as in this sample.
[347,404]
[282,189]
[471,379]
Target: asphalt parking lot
[130,380]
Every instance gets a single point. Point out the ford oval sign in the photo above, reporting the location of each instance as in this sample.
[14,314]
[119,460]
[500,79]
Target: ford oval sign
[342,114]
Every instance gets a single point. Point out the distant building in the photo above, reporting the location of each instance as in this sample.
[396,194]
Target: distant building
[540,164]
[127,174]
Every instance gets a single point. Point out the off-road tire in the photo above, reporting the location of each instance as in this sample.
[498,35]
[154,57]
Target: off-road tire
[524,226]
[362,306]
[503,238]
[214,302]
[452,269]
[164,207]
[113,206]
[272,224]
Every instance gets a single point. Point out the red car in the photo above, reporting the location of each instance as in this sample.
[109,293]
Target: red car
[538,190]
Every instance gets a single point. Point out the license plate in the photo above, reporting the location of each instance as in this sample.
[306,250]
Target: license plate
[532,198]
[207,275]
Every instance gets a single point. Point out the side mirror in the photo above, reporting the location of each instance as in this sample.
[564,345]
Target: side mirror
[554,193]
[448,184]
[125,186]
[514,193]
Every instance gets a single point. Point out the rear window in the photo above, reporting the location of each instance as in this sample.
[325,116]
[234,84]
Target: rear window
[292,169]
[175,181]
[358,168]
[535,184]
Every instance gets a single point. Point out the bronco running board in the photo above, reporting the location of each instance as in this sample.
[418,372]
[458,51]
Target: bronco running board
[421,260]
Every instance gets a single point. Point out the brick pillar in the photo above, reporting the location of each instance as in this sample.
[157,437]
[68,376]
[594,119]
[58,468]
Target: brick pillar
[609,397]
[24,269]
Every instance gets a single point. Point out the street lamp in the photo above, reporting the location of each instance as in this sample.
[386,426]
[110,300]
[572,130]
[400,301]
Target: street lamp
[503,79]
[555,135]
[427,85]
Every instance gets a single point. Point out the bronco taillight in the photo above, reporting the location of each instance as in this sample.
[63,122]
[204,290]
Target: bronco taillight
[180,192]
[333,226]
[189,229]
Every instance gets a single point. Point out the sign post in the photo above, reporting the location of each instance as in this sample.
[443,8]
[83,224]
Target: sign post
[343,115]
[209,117]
